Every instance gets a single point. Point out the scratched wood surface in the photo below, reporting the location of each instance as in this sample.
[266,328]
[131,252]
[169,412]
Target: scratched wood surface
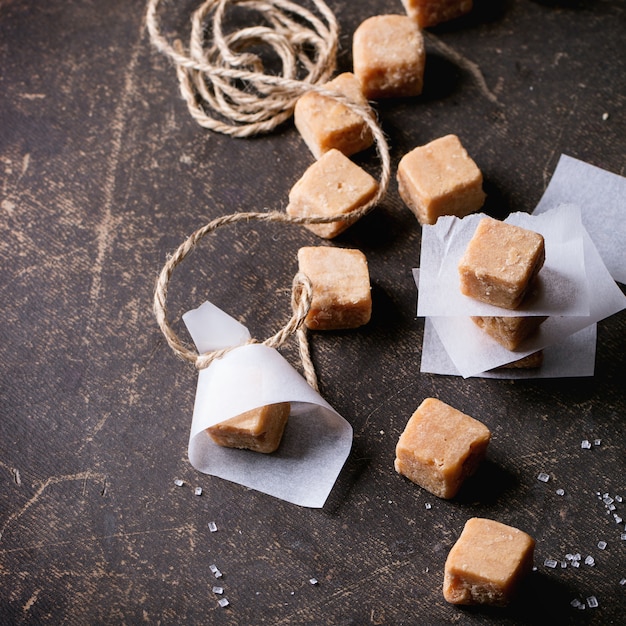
[103,173]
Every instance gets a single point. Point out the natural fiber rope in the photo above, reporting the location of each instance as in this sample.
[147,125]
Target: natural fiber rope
[300,300]
[245,101]
[225,87]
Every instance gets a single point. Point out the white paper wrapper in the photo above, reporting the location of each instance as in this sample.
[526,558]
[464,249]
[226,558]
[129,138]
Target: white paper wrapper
[574,357]
[562,280]
[602,198]
[316,442]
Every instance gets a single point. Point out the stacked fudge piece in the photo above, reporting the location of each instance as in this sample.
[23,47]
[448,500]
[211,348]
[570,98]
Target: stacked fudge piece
[500,267]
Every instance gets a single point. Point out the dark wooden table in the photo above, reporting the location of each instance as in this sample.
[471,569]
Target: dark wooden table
[103,173]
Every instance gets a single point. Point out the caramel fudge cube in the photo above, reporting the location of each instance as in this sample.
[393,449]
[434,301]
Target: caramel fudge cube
[509,332]
[341,287]
[332,186]
[440,447]
[487,563]
[325,123]
[260,429]
[432,12]
[500,263]
[440,178]
[388,56]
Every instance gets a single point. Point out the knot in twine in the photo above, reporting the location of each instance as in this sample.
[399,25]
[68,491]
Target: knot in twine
[222,79]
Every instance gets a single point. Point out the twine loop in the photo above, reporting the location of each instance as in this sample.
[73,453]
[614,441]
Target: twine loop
[222,75]
[301,297]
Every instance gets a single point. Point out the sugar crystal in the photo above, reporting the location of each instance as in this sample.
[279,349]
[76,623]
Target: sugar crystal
[198,491]
[602,545]
[543,477]
[585,444]
[215,570]
[218,590]
[597,442]
[223,602]
[560,492]
[428,505]
[552,563]
[213,527]
[623,581]
[313,581]
[589,560]
[592,602]
[179,483]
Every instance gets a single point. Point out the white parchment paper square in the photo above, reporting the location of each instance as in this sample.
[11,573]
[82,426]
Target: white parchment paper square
[562,280]
[573,357]
[602,198]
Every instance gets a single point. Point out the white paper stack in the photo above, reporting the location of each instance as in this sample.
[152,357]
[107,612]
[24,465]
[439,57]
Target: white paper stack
[576,288]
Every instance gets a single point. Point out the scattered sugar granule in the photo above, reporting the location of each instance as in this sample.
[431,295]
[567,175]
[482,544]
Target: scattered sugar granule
[617,518]
[213,527]
[216,571]
[543,477]
[560,492]
[577,604]
[618,499]
[223,602]
[589,560]
[198,491]
[428,506]
[313,581]
[585,444]
[218,590]
[592,602]
[597,442]
[605,117]
[623,581]
[602,545]
[179,483]
[552,563]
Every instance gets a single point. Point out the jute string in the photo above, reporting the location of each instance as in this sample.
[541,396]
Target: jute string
[227,90]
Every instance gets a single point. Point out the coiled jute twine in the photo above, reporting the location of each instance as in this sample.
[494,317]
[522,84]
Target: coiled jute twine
[227,90]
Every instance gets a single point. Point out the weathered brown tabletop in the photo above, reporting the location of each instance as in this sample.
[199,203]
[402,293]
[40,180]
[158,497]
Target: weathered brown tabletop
[103,173]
